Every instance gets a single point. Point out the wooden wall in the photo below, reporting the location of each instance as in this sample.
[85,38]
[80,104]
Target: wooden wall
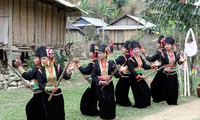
[119,36]
[4,21]
[37,23]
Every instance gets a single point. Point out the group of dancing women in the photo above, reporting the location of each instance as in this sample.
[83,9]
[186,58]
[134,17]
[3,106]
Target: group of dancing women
[101,97]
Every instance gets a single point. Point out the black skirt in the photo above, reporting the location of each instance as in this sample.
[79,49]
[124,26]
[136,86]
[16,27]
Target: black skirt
[157,87]
[106,101]
[141,93]
[54,109]
[88,104]
[122,92]
[35,109]
[171,89]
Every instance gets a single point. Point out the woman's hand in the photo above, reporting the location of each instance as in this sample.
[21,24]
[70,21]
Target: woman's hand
[182,59]
[156,63]
[28,84]
[76,62]
[53,89]
[71,66]
[18,62]
[143,77]
[104,83]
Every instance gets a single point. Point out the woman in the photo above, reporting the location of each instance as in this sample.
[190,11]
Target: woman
[34,108]
[140,89]
[111,46]
[88,104]
[102,69]
[48,76]
[157,90]
[169,60]
[123,85]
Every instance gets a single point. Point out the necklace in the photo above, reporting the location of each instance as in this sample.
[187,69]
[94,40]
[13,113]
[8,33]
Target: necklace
[103,68]
[138,59]
[103,64]
[50,75]
[171,58]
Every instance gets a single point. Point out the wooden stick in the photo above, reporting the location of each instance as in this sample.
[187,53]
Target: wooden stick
[59,80]
[152,72]
[109,80]
[24,82]
[88,79]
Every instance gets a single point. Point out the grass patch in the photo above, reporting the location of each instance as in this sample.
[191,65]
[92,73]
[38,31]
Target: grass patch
[13,102]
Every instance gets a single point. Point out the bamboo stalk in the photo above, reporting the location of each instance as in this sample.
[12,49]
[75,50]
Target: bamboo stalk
[22,79]
[59,80]
[109,80]
[188,81]
[152,72]
[185,66]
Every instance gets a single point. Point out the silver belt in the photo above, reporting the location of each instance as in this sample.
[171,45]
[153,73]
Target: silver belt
[124,76]
[55,94]
[169,73]
[37,91]
[126,73]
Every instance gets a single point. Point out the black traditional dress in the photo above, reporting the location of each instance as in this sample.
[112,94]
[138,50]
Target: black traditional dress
[140,89]
[55,108]
[88,104]
[169,60]
[157,89]
[106,94]
[34,108]
[123,85]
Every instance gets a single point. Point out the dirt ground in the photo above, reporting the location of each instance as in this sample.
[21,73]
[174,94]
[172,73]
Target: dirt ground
[188,111]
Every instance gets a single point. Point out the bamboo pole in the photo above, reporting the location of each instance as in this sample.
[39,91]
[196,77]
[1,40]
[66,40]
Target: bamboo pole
[188,80]
[22,79]
[179,73]
[110,79]
[60,79]
[185,66]
[149,74]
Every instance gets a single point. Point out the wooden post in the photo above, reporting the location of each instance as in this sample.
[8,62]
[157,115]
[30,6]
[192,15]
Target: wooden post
[36,4]
[68,29]
[10,32]
[185,76]
[103,32]
[64,29]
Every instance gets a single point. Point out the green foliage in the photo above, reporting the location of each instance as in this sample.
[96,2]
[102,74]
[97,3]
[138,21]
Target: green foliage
[184,15]
[60,58]
[120,3]
[114,14]
[100,9]
[30,61]
[15,101]
[5,70]
[86,7]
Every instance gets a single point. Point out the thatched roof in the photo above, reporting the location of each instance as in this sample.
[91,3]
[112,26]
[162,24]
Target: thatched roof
[71,9]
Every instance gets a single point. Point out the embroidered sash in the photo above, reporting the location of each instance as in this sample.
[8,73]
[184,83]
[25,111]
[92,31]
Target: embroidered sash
[103,68]
[51,77]
[138,68]
[171,65]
